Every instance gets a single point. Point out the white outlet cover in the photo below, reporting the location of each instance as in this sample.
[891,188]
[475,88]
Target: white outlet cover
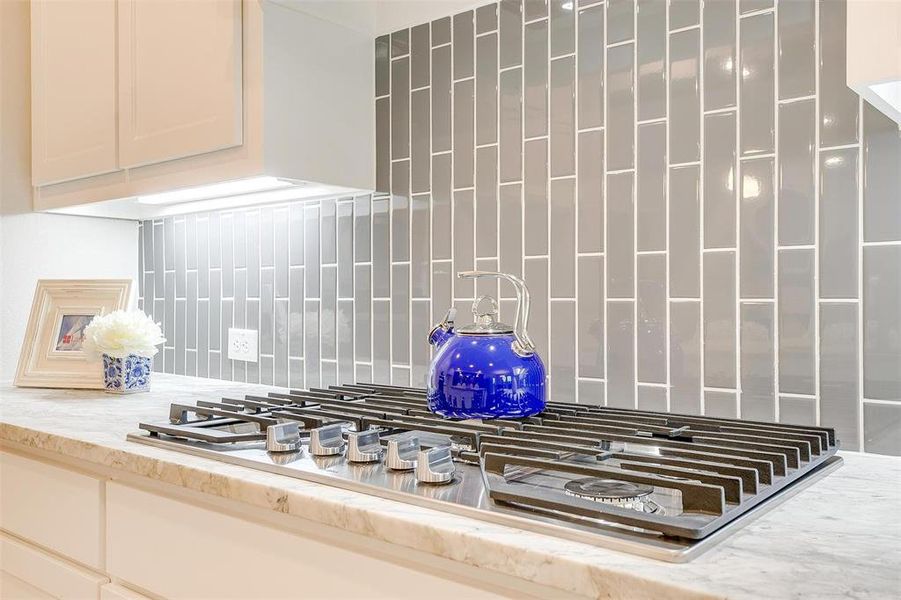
[242,344]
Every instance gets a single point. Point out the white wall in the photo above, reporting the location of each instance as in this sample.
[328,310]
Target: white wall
[35,246]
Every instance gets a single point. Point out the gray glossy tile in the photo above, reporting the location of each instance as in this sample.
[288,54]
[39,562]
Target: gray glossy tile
[838,103]
[159,249]
[267,308]
[441,31]
[281,253]
[400,108]
[441,99]
[441,206]
[203,258]
[882,177]
[510,125]
[225,365]
[756,237]
[203,340]
[510,234]
[215,311]
[620,355]
[563,117]
[295,373]
[534,9]
[796,28]
[400,314]
[252,370]
[838,372]
[591,392]
[747,6]
[463,46]
[620,245]
[590,315]
[239,239]
[464,97]
[535,79]
[486,89]
[420,354]
[311,251]
[651,398]
[651,192]
[329,372]
[400,376]
[191,246]
[180,317]
[180,260]
[685,232]
[420,155]
[720,404]
[400,43]
[487,286]
[295,234]
[364,373]
[383,145]
[882,322]
[226,232]
[590,67]
[758,360]
[363,313]
[486,18]
[685,96]
[345,253]
[684,13]
[563,27]
[758,85]
[535,275]
[400,211]
[362,225]
[420,254]
[146,247]
[620,20]
[311,343]
[563,234]
[685,357]
[169,246]
[719,180]
[215,240]
[797,322]
[797,168]
[381,248]
[881,423]
[169,311]
[651,58]
[442,289]
[295,313]
[590,176]
[719,54]
[280,358]
[420,49]
[563,352]
[381,344]
[620,106]
[838,223]
[241,298]
[797,411]
[719,319]
[535,194]
[267,232]
[486,202]
[464,259]
[510,31]
[651,325]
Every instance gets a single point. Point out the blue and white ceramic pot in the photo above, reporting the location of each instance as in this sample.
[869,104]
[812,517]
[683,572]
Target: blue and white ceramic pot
[127,375]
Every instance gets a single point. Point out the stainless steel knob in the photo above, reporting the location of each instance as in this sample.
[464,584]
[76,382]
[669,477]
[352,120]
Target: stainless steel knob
[435,465]
[364,446]
[327,440]
[402,454]
[283,437]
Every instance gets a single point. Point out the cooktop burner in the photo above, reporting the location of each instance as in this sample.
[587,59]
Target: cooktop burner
[659,484]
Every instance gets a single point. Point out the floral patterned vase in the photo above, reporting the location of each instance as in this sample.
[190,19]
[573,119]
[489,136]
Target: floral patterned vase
[127,375]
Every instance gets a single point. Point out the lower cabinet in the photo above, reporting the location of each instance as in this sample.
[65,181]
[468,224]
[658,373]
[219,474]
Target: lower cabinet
[26,568]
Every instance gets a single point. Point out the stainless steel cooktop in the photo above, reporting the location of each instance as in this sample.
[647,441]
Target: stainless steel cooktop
[657,484]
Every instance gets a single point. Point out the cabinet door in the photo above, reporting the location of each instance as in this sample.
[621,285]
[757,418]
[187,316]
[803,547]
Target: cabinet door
[180,88]
[73,78]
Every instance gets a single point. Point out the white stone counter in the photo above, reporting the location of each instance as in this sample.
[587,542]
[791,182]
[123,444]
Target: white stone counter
[839,538]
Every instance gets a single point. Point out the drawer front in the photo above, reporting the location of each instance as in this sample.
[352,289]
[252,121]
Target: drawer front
[52,507]
[161,545]
[51,575]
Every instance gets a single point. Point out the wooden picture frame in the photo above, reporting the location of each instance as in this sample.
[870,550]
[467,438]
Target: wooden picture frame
[51,354]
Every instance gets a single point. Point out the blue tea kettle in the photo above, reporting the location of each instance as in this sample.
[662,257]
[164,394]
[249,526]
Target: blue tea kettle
[486,370]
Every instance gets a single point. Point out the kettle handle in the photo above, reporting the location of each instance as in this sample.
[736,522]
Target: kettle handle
[523,344]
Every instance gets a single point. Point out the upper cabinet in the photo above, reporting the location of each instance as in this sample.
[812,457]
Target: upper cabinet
[144,108]
[874,53]
[180,83]
[73,62]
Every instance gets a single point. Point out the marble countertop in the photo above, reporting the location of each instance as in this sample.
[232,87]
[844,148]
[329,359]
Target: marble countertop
[840,538]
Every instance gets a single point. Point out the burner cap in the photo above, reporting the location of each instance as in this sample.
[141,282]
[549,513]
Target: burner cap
[607,490]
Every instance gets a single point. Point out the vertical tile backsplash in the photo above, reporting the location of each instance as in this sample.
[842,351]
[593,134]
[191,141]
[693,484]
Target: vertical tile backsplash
[708,219]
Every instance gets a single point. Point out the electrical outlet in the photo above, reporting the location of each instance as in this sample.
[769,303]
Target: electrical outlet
[242,344]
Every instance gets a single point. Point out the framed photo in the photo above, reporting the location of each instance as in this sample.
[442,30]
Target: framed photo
[52,354]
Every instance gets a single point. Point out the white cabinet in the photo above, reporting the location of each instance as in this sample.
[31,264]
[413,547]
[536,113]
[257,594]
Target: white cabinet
[179,79]
[73,78]
[33,567]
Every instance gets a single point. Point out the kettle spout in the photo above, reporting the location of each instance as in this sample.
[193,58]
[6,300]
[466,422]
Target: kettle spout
[444,330]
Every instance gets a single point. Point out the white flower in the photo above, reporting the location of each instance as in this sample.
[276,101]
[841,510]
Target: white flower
[121,333]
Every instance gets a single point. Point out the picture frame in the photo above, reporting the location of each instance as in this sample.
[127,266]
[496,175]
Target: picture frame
[51,355]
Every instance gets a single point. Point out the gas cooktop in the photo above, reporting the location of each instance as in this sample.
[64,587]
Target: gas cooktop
[658,484]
